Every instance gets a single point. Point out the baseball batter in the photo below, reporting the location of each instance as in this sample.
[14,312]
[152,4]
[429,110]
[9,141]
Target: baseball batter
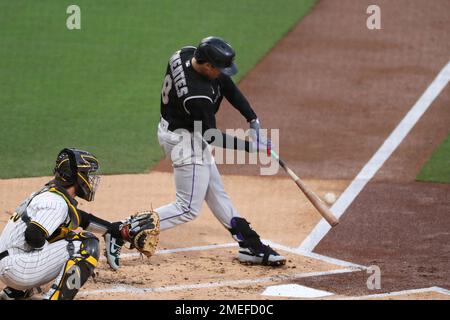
[195,83]
[38,244]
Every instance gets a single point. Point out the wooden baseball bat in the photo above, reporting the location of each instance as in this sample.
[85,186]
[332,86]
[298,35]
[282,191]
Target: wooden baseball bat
[321,207]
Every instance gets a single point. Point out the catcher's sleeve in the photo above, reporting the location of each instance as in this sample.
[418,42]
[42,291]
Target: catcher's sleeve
[95,224]
[35,235]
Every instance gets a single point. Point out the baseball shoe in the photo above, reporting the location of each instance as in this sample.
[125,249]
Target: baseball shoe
[113,248]
[263,255]
[9,293]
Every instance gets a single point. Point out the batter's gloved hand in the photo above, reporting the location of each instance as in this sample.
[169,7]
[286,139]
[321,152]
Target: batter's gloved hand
[142,231]
[259,142]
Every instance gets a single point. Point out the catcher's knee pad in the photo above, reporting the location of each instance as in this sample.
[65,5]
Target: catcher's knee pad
[243,233]
[78,268]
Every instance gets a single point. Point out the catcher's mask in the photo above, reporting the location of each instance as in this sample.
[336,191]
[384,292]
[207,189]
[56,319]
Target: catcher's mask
[77,168]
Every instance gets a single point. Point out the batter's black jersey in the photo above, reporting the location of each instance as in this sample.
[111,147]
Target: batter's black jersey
[187,96]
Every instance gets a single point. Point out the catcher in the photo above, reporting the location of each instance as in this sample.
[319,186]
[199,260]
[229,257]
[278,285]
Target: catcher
[39,243]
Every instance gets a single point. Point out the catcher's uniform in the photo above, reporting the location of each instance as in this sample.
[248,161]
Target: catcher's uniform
[53,212]
[23,267]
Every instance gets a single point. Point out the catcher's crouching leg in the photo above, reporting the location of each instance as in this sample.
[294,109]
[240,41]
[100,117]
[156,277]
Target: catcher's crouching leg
[78,268]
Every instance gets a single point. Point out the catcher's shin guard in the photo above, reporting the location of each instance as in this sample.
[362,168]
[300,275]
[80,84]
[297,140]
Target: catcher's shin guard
[78,268]
[251,249]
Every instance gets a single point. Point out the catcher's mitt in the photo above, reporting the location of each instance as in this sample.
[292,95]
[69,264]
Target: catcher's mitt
[142,231]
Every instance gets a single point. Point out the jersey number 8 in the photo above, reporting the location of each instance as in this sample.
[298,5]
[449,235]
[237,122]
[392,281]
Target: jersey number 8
[166,89]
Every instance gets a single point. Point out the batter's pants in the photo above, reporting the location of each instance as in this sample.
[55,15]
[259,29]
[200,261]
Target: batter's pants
[196,179]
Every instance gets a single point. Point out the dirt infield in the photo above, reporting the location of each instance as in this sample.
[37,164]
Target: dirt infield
[340,89]
[145,278]
[336,90]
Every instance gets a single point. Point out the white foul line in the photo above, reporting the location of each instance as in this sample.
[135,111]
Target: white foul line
[315,256]
[400,293]
[207,285]
[330,260]
[378,159]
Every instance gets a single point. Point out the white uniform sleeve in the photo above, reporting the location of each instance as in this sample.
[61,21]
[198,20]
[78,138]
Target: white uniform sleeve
[48,211]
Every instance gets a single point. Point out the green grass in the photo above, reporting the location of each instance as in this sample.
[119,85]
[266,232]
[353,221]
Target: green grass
[437,169]
[98,88]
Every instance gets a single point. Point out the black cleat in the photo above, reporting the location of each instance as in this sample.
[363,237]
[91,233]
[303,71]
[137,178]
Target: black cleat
[265,256]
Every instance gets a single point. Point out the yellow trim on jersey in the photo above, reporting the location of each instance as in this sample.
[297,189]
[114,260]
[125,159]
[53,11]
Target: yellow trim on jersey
[63,231]
[40,226]
[15,217]
[71,206]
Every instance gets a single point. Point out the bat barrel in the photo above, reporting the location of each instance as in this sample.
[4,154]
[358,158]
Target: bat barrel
[324,211]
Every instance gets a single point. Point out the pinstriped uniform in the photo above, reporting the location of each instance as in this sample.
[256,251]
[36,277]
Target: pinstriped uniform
[25,267]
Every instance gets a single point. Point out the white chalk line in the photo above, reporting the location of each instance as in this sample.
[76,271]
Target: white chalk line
[380,157]
[273,244]
[178,250]
[334,261]
[208,285]
[400,293]
[315,256]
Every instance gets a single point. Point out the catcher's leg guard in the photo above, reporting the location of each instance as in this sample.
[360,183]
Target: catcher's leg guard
[251,249]
[78,268]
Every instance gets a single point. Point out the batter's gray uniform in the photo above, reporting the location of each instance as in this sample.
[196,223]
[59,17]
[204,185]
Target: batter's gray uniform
[191,97]
[196,179]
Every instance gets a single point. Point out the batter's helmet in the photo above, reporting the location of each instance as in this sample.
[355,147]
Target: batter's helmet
[77,168]
[217,52]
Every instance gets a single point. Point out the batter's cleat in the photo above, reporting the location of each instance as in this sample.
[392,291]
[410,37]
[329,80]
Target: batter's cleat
[9,293]
[264,255]
[113,248]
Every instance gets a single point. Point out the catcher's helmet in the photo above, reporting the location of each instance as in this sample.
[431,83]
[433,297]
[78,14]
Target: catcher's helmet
[217,52]
[77,168]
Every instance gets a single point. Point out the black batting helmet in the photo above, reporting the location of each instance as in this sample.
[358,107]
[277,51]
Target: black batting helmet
[77,168]
[217,52]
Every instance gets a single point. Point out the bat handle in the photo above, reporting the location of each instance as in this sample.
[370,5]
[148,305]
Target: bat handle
[284,166]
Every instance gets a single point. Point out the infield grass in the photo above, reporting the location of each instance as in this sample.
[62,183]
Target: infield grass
[98,88]
[437,169]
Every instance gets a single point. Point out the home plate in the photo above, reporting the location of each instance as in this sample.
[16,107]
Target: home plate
[295,291]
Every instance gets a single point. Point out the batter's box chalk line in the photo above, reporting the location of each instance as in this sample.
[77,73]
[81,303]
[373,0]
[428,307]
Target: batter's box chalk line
[208,285]
[268,242]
